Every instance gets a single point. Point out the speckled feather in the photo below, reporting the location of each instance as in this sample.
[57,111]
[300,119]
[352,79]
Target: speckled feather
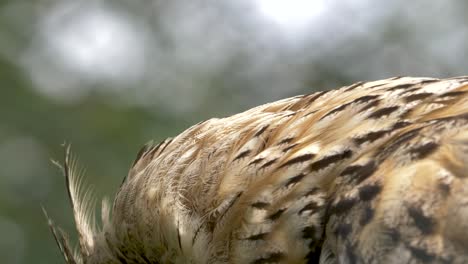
[375,172]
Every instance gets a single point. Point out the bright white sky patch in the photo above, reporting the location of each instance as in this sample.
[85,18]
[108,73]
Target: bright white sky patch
[96,42]
[79,46]
[291,13]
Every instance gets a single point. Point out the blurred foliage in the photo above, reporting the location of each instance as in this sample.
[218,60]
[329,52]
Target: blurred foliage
[108,76]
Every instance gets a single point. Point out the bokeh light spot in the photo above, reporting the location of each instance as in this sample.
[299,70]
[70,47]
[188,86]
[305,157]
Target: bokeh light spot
[291,13]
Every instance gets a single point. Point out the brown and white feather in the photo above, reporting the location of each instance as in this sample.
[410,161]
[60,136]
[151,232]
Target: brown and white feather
[375,172]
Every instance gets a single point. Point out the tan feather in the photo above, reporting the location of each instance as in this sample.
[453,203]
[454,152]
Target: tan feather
[374,172]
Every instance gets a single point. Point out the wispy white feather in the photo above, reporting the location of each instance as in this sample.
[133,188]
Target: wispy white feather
[82,201]
[83,205]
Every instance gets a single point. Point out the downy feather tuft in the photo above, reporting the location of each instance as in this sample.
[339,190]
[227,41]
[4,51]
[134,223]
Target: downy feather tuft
[83,205]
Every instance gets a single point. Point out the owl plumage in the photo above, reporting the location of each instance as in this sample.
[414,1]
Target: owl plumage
[375,172]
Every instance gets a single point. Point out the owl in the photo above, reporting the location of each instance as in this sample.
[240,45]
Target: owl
[374,172]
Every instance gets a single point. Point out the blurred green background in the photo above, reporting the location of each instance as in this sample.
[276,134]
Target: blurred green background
[107,76]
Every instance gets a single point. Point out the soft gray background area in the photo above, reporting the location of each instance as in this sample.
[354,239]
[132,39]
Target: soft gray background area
[108,76]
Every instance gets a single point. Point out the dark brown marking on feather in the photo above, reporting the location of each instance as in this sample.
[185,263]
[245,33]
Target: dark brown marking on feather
[294,106]
[196,233]
[383,112]
[155,149]
[143,151]
[260,205]
[336,110]
[422,254]
[452,118]
[61,241]
[368,192]
[399,87]
[352,258]
[286,141]
[351,170]
[286,149]
[364,99]
[260,236]
[268,163]
[276,215]
[398,142]
[353,86]
[453,94]
[261,131]
[256,161]
[178,237]
[294,180]
[309,232]
[243,154]
[313,256]
[298,159]
[407,136]
[444,188]
[120,257]
[328,160]
[311,206]
[400,124]
[310,113]
[424,223]
[361,172]
[147,261]
[342,206]
[428,81]
[201,122]
[370,105]
[370,137]
[343,230]
[367,215]
[166,143]
[406,113]
[415,97]
[420,152]
[271,258]
[66,172]
[377,85]
[393,234]
[313,191]
[315,96]
[225,210]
